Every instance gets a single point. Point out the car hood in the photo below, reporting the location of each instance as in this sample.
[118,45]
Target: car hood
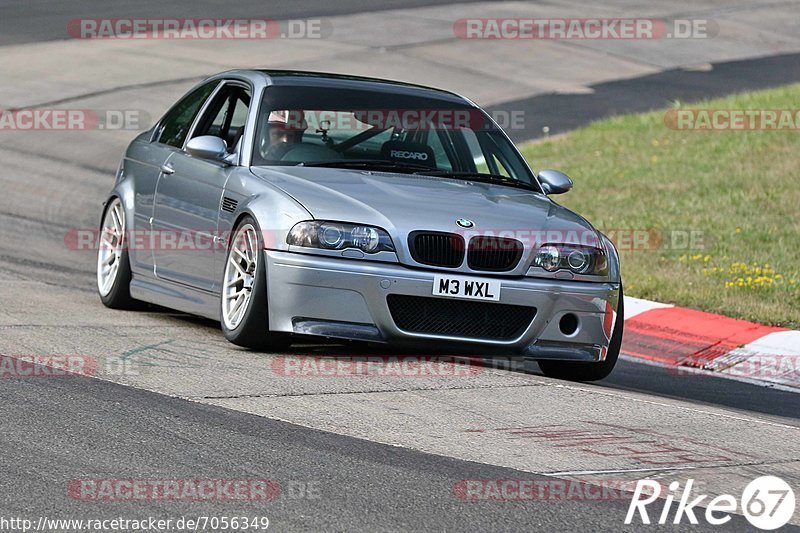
[402,203]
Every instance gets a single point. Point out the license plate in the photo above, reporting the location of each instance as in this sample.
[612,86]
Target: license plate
[466,288]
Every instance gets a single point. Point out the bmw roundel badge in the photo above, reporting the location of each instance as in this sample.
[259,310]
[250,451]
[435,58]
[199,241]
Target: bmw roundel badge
[464,223]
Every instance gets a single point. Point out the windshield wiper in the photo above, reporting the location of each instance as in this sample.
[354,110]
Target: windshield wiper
[366,163]
[482,178]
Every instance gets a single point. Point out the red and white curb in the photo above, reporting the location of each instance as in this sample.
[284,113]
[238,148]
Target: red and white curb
[686,339]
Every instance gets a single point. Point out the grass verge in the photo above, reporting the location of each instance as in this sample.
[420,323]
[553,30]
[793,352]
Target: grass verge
[720,209]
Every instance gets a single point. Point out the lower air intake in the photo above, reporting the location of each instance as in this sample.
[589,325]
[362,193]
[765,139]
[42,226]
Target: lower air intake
[457,318]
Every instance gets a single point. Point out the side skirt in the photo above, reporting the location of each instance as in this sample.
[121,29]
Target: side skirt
[176,296]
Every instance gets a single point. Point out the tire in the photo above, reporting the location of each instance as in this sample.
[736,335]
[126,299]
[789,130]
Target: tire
[248,324]
[113,264]
[577,371]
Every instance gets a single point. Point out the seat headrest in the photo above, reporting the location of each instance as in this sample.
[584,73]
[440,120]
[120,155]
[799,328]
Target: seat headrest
[408,152]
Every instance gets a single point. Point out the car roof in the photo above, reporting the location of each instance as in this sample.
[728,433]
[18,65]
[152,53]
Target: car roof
[332,80]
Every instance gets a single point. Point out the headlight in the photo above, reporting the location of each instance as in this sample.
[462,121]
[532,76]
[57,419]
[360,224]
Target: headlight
[576,259]
[338,236]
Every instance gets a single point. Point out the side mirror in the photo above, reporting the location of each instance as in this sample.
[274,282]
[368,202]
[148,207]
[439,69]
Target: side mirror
[554,181]
[207,147]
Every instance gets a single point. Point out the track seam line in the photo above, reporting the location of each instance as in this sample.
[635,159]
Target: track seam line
[551,384]
[104,92]
[342,393]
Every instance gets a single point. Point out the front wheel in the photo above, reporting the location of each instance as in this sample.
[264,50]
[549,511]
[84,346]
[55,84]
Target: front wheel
[577,371]
[113,265]
[245,320]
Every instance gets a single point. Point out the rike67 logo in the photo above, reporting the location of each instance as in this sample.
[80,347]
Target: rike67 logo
[767,502]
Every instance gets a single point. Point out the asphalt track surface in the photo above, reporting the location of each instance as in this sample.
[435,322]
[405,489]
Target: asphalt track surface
[383,455]
[565,112]
[46,20]
[75,428]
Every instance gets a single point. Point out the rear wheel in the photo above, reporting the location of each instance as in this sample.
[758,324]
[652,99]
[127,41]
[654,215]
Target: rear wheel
[245,320]
[113,265]
[577,371]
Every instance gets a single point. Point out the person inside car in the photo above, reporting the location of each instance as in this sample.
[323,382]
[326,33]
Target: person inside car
[286,128]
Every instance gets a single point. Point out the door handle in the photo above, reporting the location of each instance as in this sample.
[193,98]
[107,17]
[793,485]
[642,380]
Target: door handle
[167,169]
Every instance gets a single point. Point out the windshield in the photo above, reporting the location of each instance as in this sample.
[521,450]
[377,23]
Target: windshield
[349,128]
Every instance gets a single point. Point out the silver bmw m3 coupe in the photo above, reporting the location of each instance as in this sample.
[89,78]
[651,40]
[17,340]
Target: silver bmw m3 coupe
[287,203]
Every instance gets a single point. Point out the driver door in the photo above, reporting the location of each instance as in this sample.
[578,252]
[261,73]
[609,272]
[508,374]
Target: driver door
[189,195]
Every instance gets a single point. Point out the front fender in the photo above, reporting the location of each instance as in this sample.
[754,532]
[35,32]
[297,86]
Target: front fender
[274,211]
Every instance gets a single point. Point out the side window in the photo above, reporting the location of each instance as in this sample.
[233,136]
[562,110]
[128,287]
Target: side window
[175,126]
[501,167]
[434,140]
[478,158]
[240,112]
[490,157]
[226,115]
[502,158]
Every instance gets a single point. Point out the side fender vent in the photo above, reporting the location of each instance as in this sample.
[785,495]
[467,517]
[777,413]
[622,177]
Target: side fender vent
[229,204]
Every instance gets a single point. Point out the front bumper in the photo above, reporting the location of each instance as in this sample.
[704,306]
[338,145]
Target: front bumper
[344,298]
